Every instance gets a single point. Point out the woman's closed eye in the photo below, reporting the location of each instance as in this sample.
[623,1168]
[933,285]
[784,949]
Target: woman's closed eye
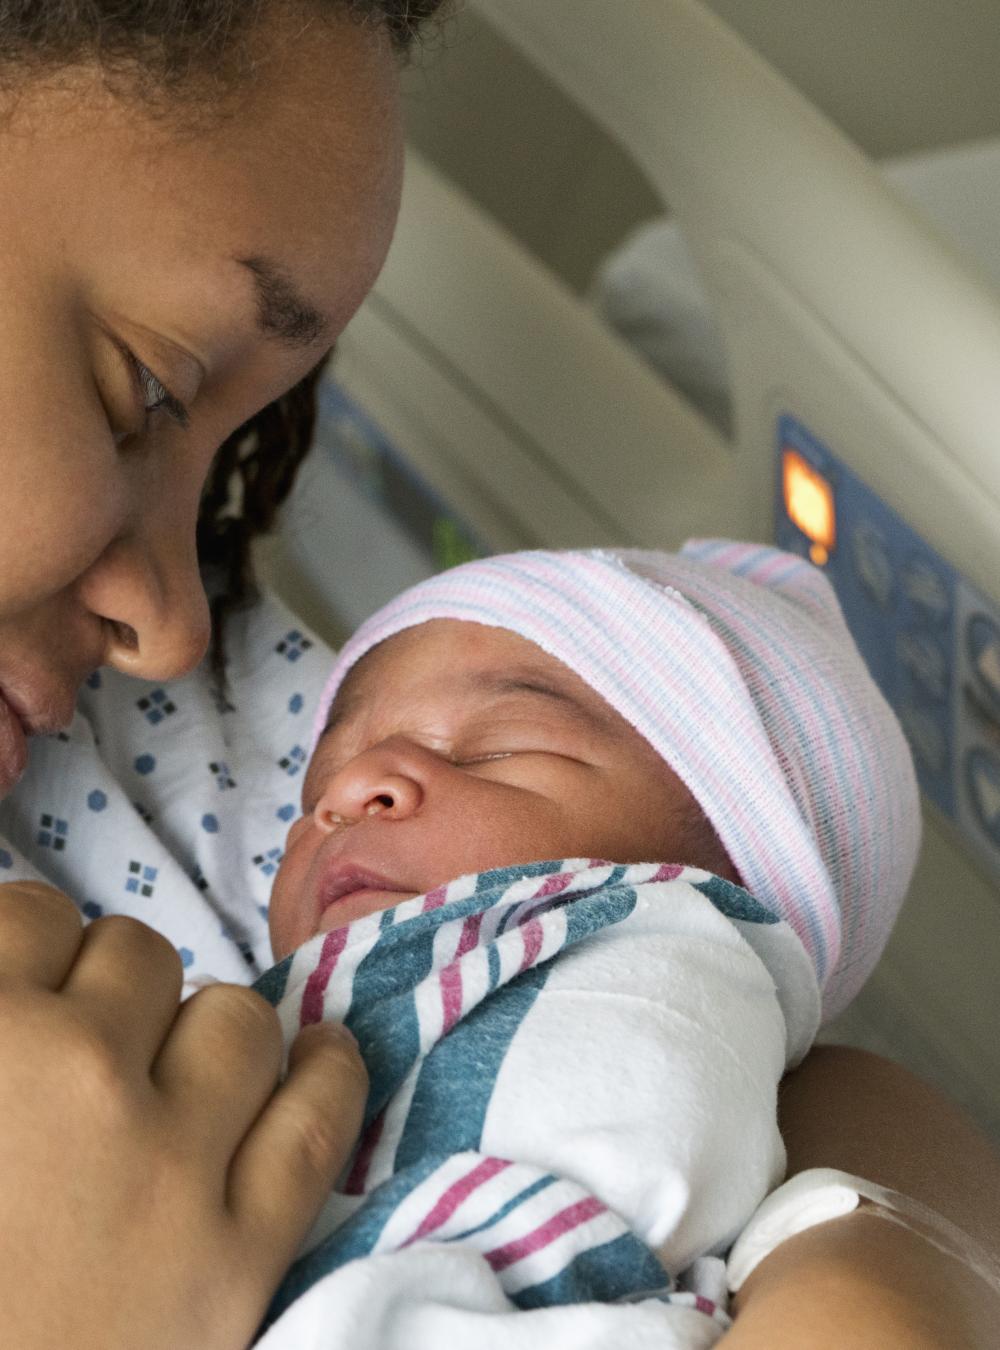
[153,393]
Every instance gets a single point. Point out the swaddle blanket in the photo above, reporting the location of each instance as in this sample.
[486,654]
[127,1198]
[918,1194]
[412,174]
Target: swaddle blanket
[574,1069]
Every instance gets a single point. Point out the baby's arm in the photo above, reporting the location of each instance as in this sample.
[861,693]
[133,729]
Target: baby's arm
[647,1071]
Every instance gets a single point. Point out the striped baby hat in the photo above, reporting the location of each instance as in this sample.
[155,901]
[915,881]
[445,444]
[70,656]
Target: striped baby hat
[734,661]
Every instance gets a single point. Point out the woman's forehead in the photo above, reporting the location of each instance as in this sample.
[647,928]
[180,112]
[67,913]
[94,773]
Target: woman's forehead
[305,177]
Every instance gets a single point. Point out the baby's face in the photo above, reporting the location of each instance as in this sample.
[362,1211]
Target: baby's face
[454,748]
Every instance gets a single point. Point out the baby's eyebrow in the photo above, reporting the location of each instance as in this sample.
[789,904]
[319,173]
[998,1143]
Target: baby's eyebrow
[538,683]
[341,710]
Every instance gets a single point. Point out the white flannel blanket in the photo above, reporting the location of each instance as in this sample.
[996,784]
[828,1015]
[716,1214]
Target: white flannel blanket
[574,1068]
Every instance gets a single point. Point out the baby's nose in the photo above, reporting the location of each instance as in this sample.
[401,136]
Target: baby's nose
[368,786]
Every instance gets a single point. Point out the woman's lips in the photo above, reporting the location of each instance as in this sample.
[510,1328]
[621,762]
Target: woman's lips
[13,747]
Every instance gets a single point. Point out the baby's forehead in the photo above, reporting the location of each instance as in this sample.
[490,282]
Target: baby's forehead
[444,656]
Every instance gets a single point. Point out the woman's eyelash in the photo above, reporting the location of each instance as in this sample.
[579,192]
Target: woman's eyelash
[154,393]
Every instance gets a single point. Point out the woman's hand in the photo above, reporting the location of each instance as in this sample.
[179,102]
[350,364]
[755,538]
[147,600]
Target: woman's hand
[155,1184]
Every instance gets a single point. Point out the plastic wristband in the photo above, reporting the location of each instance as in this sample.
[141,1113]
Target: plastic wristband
[821,1194]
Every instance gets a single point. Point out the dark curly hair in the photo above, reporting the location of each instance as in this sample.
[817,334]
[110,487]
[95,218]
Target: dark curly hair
[171,50]
[183,57]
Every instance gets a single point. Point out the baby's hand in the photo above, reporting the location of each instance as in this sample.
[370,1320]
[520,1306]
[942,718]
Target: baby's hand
[156,1185]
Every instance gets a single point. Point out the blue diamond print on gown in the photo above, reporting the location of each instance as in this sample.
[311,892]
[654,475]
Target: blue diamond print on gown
[97,800]
[268,862]
[286,812]
[293,645]
[6,860]
[156,706]
[141,879]
[223,778]
[52,832]
[293,761]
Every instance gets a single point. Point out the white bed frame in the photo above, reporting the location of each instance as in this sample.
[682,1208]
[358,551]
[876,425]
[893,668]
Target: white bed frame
[838,304]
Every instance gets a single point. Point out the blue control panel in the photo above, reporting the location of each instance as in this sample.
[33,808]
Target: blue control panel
[931,639]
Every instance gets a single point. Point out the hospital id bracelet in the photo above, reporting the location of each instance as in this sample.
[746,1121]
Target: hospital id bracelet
[823,1193]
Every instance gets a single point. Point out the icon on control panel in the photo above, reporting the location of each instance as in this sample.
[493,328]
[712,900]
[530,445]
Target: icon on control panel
[926,661]
[871,561]
[927,589]
[982,777]
[983,643]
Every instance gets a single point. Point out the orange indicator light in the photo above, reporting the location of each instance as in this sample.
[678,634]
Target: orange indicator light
[809,503]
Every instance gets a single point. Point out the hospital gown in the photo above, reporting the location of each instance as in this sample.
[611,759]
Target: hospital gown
[171,802]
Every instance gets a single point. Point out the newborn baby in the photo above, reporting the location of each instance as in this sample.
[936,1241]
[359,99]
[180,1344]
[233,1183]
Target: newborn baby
[591,843]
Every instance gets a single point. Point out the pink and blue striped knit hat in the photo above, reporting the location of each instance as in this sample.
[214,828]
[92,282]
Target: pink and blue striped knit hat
[735,663]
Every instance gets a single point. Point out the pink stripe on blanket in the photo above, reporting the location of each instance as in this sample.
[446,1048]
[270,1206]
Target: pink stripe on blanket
[312,997]
[435,899]
[531,935]
[358,1175]
[668,872]
[563,1222]
[451,976]
[457,1194]
[554,884]
[450,981]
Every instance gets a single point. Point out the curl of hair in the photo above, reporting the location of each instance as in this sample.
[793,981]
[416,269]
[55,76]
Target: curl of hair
[251,477]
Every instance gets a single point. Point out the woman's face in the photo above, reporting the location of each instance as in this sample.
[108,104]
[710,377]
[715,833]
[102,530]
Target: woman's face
[159,288]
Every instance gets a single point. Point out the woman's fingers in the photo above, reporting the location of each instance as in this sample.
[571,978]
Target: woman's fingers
[291,1158]
[218,1067]
[40,934]
[126,984]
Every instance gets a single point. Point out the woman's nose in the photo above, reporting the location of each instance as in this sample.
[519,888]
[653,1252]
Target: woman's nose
[148,591]
[382,781]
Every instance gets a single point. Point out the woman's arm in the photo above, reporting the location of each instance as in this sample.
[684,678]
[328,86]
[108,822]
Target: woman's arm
[156,1183]
[862,1281]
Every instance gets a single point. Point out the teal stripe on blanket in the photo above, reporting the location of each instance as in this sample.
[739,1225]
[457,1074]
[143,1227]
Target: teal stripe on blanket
[271,984]
[617,1270]
[733,902]
[456,1081]
[356,1237]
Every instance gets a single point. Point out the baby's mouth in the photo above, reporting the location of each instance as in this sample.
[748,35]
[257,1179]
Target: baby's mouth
[348,892]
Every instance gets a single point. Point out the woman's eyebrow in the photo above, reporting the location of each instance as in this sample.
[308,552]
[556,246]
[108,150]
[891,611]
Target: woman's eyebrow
[283,313]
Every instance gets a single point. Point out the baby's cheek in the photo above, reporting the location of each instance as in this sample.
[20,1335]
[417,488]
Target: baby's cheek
[287,910]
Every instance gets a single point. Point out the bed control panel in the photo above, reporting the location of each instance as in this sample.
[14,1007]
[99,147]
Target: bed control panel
[931,639]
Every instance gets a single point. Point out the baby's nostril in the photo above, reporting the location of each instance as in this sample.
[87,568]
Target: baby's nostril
[385,799]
